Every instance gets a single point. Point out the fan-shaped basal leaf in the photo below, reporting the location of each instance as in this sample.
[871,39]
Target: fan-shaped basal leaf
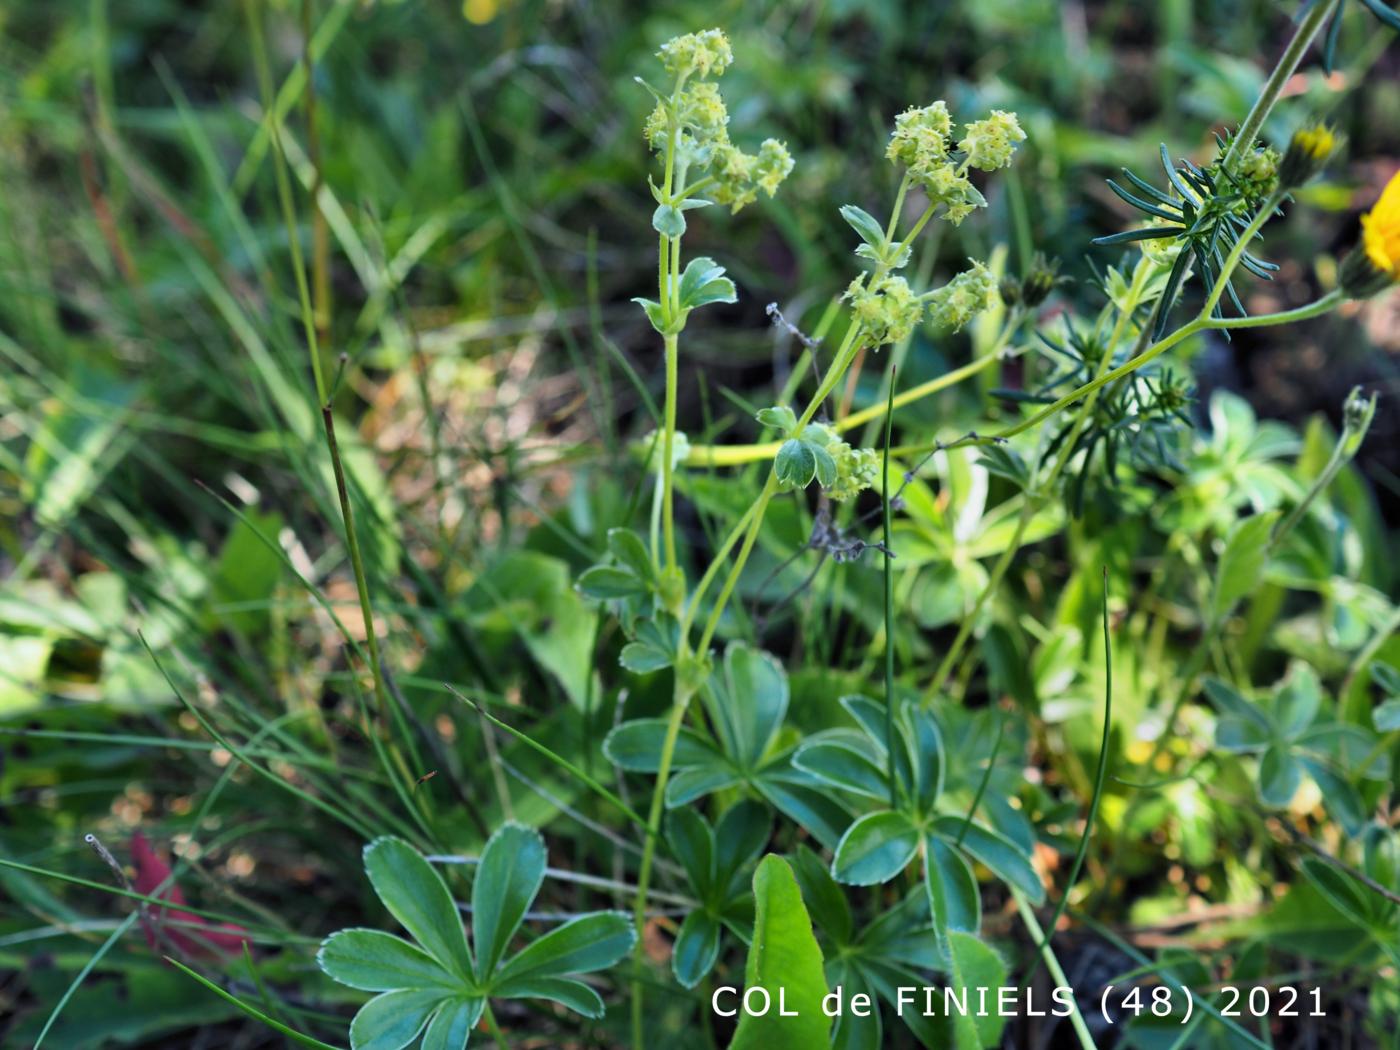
[393,1020]
[698,781]
[415,894]
[693,844]
[696,948]
[575,995]
[375,961]
[636,746]
[746,703]
[590,942]
[783,958]
[452,1025]
[875,849]
[833,760]
[507,879]
[997,852]
[961,899]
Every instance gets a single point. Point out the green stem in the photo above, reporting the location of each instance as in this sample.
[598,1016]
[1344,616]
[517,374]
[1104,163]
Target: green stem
[639,912]
[1241,246]
[1321,306]
[668,513]
[1308,28]
[1076,1019]
[1342,453]
[770,489]
[495,1029]
[1091,818]
[893,770]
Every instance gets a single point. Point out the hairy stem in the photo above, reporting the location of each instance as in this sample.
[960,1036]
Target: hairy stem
[1308,28]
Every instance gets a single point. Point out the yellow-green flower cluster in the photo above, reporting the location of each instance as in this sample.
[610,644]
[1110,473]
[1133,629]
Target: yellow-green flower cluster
[922,142]
[705,54]
[741,175]
[701,116]
[920,137]
[856,470]
[990,142]
[886,309]
[963,298]
[697,116]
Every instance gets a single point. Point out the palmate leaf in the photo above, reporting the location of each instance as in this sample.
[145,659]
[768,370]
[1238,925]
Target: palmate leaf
[582,945]
[417,897]
[432,989]
[375,961]
[745,701]
[875,849]
[714,861]
[393,1020]
[704,282]
[507,879]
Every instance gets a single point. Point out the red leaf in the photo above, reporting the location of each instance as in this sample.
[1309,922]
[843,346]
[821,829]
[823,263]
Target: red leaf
[206,942]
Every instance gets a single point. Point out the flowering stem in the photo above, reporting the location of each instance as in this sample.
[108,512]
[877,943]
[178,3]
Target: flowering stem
[1301,313]
[1222,281]
[668,439]
[1308,28]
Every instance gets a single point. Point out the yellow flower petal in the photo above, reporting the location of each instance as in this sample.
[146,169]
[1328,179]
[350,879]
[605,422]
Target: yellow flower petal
[1380,230]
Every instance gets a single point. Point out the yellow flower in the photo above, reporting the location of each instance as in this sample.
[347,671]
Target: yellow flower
[1374,264]
[1380,230]
[1308,152]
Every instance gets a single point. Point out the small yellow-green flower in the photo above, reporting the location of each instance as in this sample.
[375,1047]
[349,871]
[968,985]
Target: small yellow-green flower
[1374,264]
[740,176]
[963,298]
[922,142]
[886,310]
[920,137]
[702,110]
[705,54]
[856,470]
[1308,152]
[990,142]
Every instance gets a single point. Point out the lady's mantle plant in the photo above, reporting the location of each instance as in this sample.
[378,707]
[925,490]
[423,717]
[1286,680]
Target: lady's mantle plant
[437,986]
